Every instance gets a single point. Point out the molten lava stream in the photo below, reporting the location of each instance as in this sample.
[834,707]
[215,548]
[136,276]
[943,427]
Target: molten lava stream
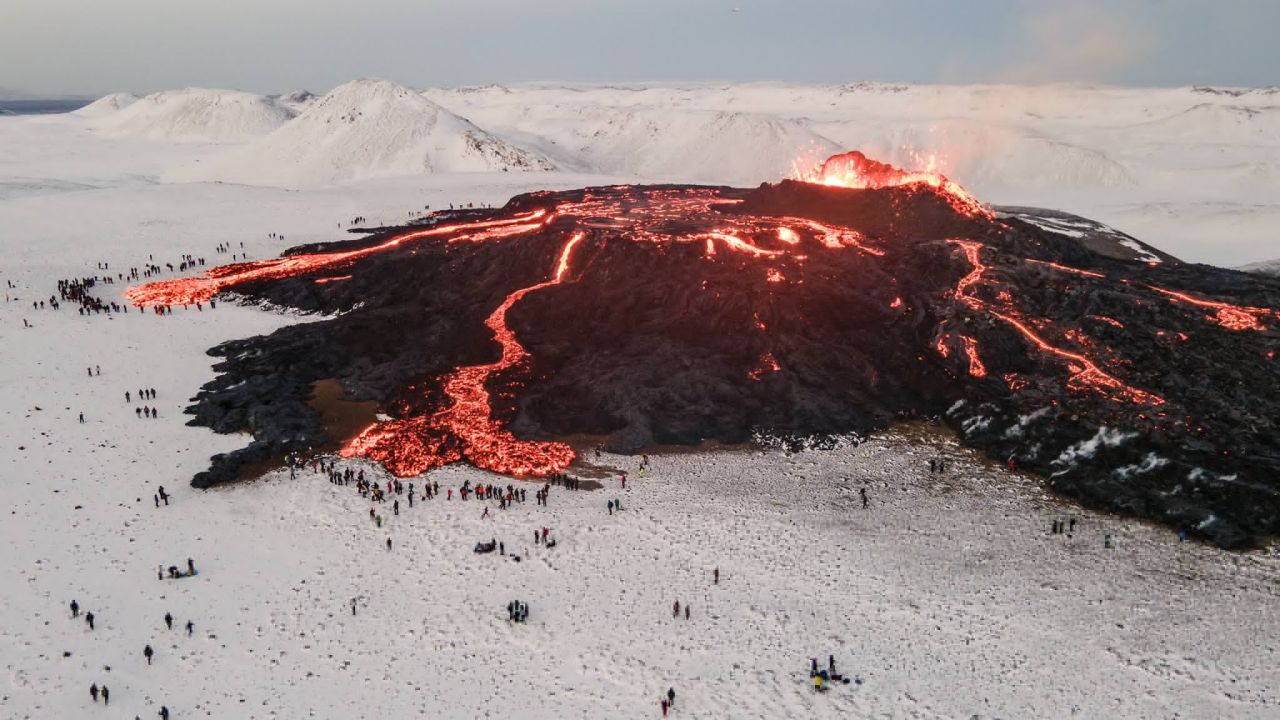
[412,446]
[1231,317]
[185,291]
[1083,370]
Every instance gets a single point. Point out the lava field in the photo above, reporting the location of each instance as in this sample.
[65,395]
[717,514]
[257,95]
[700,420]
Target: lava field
[832,304]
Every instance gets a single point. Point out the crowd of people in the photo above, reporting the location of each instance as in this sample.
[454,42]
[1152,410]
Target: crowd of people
[503,497]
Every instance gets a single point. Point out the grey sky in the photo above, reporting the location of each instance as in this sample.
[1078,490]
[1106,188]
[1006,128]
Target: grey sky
[94,46]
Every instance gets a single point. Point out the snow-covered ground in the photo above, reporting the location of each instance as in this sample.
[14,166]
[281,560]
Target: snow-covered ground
[948,597]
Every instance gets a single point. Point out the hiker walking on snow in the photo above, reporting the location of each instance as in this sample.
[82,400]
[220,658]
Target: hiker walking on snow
[610,507]
[675,609]
[716,575]
[863,491]
[93,692]
[147,652]
[88,618]
[75,609]
[191,628]
[168,620]
[671,696]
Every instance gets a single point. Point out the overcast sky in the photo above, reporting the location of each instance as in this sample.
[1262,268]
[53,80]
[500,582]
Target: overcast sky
[96,46]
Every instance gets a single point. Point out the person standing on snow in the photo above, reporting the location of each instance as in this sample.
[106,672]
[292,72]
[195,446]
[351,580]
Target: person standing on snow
[75,609]
[168,620]
[88,618]
[93,692]
[147,652]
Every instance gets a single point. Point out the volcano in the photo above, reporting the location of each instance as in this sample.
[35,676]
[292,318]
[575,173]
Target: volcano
[828,305]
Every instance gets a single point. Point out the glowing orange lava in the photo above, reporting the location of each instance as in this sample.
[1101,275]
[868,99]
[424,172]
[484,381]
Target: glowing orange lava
[767,365]
[855,170]
[976,368]
[412,446]
[185,291]
[1064,268]
[464,428]
[1232,317]
[1085,374]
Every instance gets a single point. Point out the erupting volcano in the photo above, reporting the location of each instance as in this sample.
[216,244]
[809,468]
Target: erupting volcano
[826,305]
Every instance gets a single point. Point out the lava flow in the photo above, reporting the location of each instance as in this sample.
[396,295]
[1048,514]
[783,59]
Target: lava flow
[412,446]
[188,291]
[1084,372]
[675,314]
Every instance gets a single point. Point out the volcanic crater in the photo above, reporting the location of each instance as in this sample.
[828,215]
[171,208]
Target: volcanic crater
[827,305]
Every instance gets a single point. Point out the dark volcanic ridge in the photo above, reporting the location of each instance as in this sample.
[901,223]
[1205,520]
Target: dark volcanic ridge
[673,315]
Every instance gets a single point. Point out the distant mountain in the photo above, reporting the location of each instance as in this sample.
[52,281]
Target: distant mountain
[1268,267]
[367,129]
[106,105]
[297,100]
[198,115]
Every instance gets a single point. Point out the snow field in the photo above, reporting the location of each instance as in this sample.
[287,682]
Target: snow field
[948,597]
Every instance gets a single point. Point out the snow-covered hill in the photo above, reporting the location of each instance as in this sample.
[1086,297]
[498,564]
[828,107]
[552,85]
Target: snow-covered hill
[1268,267]
[296,101]
[366,129]
[106,105]
[716,145]
[198,115]
[712,146]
